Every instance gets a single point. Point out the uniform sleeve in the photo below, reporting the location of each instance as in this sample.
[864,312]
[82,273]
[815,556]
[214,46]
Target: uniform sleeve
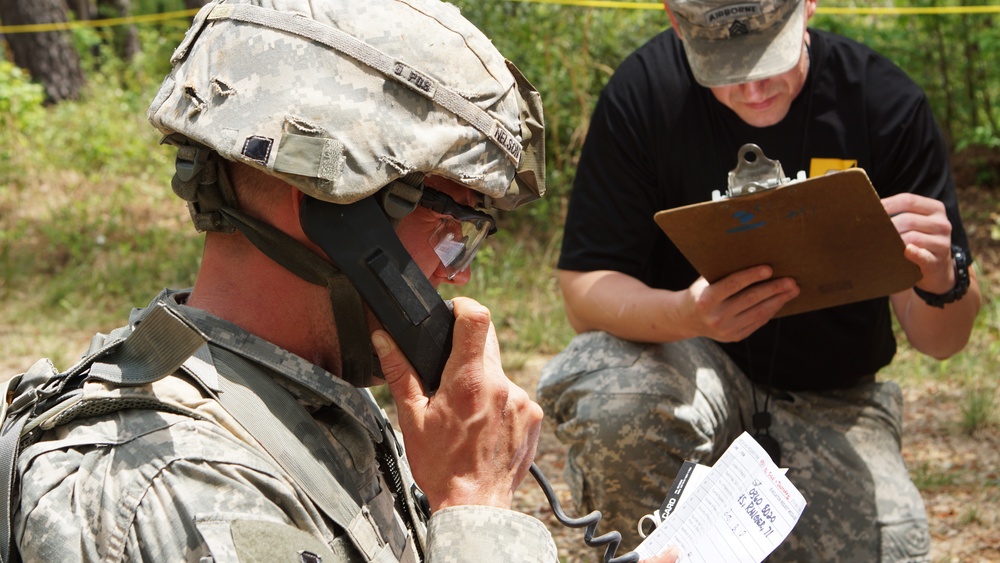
[135,486]
[485,534]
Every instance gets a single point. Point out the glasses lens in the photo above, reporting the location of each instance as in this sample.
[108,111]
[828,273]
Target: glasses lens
[456,242]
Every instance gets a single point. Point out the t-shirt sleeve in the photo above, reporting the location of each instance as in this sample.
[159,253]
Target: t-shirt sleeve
[609,223]
[914,156]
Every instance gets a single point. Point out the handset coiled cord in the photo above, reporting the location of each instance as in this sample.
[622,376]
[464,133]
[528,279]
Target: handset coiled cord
[612,539]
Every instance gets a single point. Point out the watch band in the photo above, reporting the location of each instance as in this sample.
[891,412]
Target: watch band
[960,261]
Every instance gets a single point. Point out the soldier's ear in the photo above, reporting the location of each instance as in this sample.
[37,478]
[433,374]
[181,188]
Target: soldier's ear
[673,20]
[810,8]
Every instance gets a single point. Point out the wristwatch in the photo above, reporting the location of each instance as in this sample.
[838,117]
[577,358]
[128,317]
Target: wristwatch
[960,260]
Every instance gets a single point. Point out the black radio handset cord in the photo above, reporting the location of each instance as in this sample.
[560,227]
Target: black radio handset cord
[611,539]
[362,244]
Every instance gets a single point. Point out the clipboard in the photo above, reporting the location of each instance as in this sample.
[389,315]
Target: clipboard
[830,233]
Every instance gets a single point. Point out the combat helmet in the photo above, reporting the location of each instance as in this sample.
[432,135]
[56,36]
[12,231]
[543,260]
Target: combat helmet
[353,103]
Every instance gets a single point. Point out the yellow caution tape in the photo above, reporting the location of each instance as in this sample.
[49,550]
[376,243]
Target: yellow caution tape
[857,10]
[929,10]
[600,4]
[616,4]
[128,20]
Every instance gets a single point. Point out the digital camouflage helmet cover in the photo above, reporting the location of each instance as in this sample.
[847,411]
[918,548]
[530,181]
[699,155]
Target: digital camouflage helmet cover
[339,97]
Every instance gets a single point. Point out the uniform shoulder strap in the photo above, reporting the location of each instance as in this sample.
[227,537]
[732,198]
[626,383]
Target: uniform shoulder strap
[162,343]
[43,398]
[278,425]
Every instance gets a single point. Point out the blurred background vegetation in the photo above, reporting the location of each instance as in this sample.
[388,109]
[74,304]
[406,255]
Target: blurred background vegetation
[89,226]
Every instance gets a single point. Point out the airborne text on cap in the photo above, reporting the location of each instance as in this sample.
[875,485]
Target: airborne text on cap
[733,11]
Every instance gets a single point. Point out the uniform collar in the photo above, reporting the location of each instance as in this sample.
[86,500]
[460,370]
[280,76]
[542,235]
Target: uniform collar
[310,384]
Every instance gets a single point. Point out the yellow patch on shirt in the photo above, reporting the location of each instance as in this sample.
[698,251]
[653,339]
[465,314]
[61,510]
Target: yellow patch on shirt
[820,166]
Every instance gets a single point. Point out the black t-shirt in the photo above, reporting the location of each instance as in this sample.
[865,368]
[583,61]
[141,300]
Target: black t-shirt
[658,140]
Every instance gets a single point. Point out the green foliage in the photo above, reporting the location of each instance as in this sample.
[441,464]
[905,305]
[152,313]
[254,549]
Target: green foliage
[568,53]
[949,55]
[980,136]
[87,218]
[107,243]
[88,224]
[105,132]
[20,99]
[514,275]
[20,110]
[978,409]
[970,516]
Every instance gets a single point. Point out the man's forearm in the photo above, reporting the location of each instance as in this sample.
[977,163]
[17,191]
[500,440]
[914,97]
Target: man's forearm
[623,306]
[934,331]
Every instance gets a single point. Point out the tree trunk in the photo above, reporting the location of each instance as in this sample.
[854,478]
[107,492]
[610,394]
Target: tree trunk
[979,84]
[943,57]
[125,39]
[47,56]
[971,52]
[82,9]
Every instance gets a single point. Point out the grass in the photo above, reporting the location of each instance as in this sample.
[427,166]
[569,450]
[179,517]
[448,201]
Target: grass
[927,478]
[970,516]
[88,224]
[978,409]
[514,275]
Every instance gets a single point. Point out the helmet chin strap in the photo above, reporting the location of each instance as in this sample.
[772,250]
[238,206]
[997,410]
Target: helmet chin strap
[370,265]
[202,181]
[357,363]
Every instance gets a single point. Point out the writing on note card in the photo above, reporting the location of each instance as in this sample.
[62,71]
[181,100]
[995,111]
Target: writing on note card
[739,512]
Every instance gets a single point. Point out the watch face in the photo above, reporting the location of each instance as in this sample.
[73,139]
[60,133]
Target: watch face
[960,261]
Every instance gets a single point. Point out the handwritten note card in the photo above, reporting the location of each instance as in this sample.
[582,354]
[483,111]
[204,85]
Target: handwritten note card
[738,513]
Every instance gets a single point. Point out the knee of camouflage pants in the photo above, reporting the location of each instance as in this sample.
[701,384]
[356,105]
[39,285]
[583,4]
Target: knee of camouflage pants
[631,413]
[842,450]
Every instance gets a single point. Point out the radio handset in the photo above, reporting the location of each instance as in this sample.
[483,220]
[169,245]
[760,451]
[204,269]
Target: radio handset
[360,240]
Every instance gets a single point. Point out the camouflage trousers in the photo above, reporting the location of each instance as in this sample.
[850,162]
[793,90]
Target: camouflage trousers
[630,413]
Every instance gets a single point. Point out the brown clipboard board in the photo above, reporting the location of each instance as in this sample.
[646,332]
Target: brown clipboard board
[830,233]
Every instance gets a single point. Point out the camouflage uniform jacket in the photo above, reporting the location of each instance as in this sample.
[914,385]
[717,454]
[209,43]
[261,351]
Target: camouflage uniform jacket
[169,474]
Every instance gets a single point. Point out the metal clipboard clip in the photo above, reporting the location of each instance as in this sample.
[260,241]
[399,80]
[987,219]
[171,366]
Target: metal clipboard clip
[754,173]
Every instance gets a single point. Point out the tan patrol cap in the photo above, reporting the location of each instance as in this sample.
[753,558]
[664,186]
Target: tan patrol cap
[731,42]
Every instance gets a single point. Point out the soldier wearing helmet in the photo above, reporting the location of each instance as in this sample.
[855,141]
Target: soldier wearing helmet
[342,158]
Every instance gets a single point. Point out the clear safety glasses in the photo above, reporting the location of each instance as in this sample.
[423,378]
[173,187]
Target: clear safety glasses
[461,232]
